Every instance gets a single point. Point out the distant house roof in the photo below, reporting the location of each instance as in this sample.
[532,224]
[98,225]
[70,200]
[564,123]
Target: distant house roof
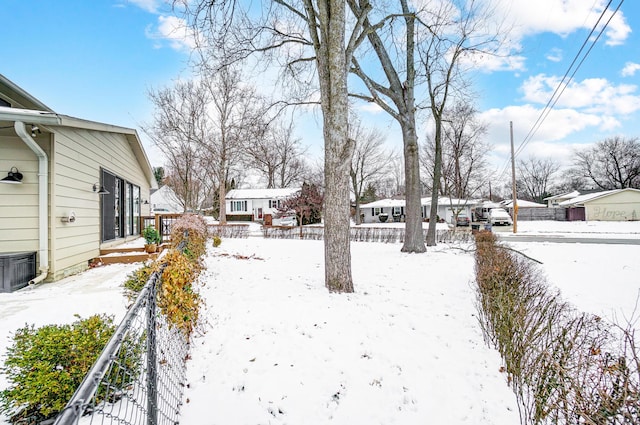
[588,197]
[261,193]
[384,203]
[568,195]
[508,203]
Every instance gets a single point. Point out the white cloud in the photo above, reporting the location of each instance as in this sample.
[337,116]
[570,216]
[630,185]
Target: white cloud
[561,17]
[593,95]
[148,5]
[555,137]
[174,30]
[554,55]
[630,69]
[370,107]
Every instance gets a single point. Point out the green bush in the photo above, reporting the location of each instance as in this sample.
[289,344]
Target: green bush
[44,366]
[151,235]
[216,241]
[136,280]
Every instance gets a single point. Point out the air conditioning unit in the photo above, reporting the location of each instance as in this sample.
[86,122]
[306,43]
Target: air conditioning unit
[16,270]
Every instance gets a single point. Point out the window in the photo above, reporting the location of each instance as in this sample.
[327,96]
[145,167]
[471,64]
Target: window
[397,211]
[273,203]
[120,208]
[238,206]
[377,211]
[132,208]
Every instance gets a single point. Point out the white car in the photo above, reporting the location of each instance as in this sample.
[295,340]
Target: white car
[289,221]
[498,216]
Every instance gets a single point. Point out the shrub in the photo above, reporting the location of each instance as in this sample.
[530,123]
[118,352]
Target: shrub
[216,241]
[44,366]
[151,235]
[195,229]
[178,300]
[561,364]
[137,279]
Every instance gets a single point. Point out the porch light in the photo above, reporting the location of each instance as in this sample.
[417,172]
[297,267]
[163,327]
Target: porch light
[13,177]
[100,189]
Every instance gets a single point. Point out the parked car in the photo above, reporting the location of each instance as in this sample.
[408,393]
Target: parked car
[289,221]
[462,220]
[498,216]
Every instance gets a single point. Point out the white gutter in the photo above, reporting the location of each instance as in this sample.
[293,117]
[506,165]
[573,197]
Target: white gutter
[43,213]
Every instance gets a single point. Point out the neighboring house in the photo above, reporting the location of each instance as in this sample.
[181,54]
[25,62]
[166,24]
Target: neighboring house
[608,205]
[256,204]
[554,201]
[481,209]
[78,185]
[387,210]
[165,200]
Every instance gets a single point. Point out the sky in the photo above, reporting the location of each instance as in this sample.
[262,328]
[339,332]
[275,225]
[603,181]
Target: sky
[97,60]
[406,348]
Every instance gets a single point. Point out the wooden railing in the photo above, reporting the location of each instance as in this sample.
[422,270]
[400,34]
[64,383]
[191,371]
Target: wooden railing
[161,222]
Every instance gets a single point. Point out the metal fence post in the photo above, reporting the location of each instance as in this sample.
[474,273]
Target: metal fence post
[152,372]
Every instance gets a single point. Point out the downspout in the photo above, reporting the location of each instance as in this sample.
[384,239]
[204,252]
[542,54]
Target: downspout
[43,231]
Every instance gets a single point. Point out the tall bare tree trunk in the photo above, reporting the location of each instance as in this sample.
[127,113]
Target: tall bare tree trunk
[414,236]
[332,72]
[437,172]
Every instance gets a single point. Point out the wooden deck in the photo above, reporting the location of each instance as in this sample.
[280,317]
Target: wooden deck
[126,255]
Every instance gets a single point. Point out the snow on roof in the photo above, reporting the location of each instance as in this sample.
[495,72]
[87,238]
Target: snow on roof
[261,193]
[508,203]
[384,203]
[568,195]
[588,197]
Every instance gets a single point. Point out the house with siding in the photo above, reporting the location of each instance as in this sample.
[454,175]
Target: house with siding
[608,205]
[256,204]
[389,210]
[72,186]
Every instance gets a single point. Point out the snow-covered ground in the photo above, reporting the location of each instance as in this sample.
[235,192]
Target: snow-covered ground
[405,348]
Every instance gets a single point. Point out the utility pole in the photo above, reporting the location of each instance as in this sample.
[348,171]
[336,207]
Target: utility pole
[513,182]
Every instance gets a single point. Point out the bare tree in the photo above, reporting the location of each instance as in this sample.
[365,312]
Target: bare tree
[613,163]
[305,32]
[235,116]
[177,129]
[464,151]
[370,160]
[452,32]
[307,204]
[534,177]
[278,156]
[394,93]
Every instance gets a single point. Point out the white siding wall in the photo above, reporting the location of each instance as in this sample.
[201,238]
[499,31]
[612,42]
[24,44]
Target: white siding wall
[620,206]
[78,158]
[19,202]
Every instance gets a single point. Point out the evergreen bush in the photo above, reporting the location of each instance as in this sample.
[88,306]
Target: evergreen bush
[44,366]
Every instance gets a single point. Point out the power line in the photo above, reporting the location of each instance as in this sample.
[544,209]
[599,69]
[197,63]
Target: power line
[560,88]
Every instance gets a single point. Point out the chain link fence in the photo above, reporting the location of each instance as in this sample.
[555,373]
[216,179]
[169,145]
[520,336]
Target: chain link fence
[365,234]
[139,377]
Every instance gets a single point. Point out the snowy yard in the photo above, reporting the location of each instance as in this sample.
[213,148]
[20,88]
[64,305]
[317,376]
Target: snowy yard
[405,348]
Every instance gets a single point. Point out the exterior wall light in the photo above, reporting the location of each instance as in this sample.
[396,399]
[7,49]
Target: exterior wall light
[100,189]
[13,177]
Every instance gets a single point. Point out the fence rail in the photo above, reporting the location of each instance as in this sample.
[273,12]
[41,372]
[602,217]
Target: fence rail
[364,234]
[139,377]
